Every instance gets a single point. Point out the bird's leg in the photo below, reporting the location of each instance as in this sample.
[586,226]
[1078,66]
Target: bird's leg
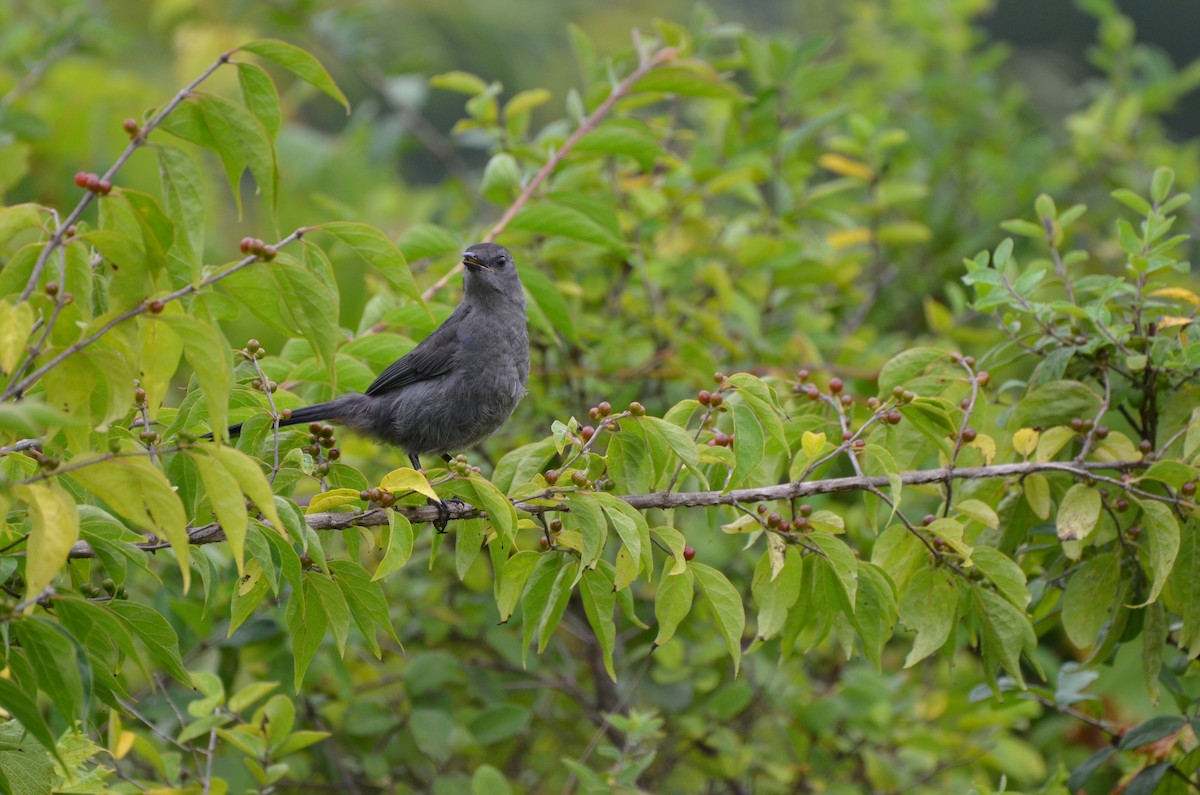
[443,517]
[447,457]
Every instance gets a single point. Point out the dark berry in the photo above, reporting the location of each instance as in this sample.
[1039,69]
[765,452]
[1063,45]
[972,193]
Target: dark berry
[82,179]
[716,401]
[51,289]
[689,553]
[893,417]
[983,378]
[551,476]
[835,385]
[968,434]
[587,432]
[703,396]
[156,307]
[247,245]
[1188,489]
[928,519]
[802,375]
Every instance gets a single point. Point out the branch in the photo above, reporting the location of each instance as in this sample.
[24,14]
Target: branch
[647,64]
[138,141]
[16,389]
[212,533]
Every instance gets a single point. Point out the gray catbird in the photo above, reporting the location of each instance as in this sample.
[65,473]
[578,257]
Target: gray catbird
[460,384]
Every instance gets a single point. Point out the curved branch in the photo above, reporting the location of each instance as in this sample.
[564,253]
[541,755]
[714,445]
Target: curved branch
[589,122]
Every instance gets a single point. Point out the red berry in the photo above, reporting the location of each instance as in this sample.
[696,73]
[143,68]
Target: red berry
[551,476]
[587,432]
[893,417]
[928,519]
[968,434]
[605,408]
[983,378]
[130,126]
[247,245]
[689,553]
[835,385]
[82,179]
[103,186]
[156,307]
[802,375]
[1189,488]
[703,397]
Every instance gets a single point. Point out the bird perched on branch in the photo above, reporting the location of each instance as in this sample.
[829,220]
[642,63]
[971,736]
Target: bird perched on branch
[459,385]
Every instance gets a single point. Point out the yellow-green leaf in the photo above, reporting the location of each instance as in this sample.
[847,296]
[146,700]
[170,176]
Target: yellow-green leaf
[55,522]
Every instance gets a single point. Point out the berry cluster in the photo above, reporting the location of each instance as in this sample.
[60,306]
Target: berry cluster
[378,496]
[252,245]
[321,438]
[107,590]
[89,181]
[460,466]
[1083,426]
[773,521]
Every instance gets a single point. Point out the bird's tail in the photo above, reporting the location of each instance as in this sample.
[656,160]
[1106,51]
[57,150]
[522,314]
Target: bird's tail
[321,411]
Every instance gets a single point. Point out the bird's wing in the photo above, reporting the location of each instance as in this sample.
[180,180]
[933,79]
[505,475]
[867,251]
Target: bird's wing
[433,357]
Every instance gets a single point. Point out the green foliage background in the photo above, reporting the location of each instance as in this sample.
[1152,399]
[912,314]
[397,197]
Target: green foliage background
[865,206]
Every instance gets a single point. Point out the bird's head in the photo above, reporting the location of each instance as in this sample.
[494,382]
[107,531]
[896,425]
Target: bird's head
[490,272]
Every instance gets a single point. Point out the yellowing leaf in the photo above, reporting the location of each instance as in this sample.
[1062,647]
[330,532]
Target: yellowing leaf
[986,446]
[840,164]
[812,444]
[1178,293]
[55,522]
[980,512]
[334,498]
[1025,441]
[16,324]
[252,482]
[1078,512]
[1037,494]
[407,479]
[1166,321]
[1052,441]
[846,238]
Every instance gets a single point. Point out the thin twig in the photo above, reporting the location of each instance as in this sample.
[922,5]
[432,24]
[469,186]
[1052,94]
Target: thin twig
[88,197]
[16,389]
[647,64]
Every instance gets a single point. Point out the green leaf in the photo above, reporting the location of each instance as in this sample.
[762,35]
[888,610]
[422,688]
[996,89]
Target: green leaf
[16,325]
[226,499]
[291,298]
[928,607]
[1005,574]
[398,545]
[1151,731]
[1183,588]
[587,517]
[875,611]
[749,444]
[599,599]
[900,554]
[299,63]
[427,240]
[1088,599]
[366,601]
[631,137]
[512,580]
[776,595]
[1160,184]
[487,780]
[672,603]
[23,707]
[1161,541]
[546,296]
[687,78]
[378,251]
[1006,632]
[557,596]
[155,634]
[1037,494]
[307,622]
[840,558]
[979,511]
[209,355]
[52,652]
[555,219]
[727,608]
[334,604]
[1054,403]
[138,491]
[234,134]
[1078,512]
[501,181]
[906,366]
[25,769]
[183,194]
[468,543]
[260,96]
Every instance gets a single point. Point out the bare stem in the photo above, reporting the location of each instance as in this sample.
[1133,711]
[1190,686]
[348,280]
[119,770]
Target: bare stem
[647,64]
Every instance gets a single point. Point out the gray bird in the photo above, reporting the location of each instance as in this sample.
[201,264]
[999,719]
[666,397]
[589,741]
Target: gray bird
[459,385]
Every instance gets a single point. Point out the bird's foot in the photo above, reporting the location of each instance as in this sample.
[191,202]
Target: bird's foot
[443,509]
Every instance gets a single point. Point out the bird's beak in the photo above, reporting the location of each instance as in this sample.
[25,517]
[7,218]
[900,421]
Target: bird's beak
[474,263]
